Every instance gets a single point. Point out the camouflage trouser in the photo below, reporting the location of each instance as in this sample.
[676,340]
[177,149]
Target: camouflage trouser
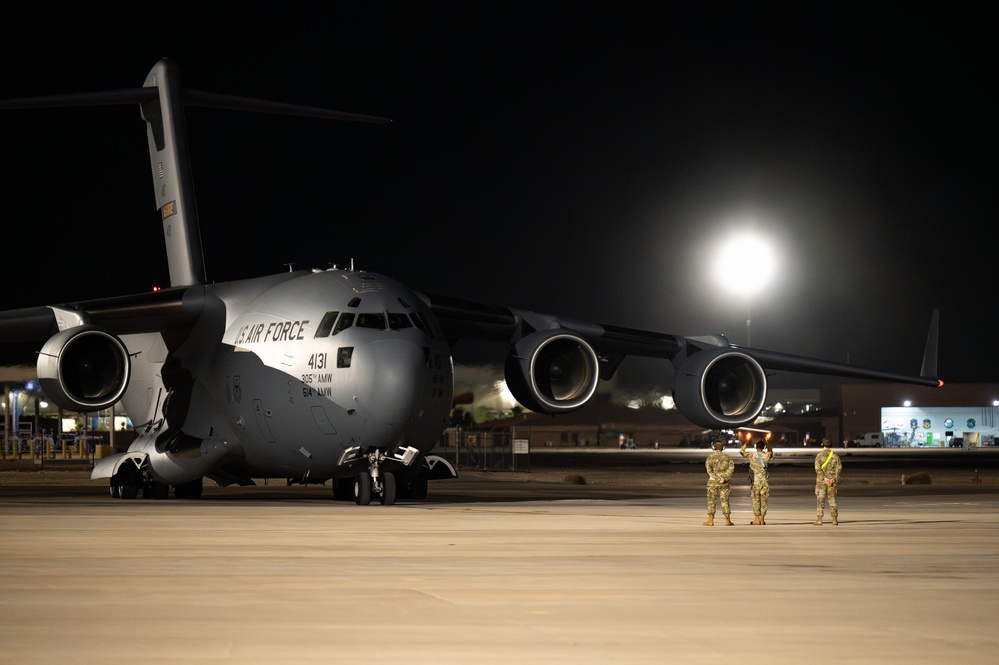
[821,492]
[716,491]
[760,494]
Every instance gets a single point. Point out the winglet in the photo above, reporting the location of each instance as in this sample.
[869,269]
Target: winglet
[929,369]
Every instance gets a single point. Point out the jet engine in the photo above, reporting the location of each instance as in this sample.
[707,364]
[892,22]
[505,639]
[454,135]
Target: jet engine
[84,368]
[552,371]
[720,388]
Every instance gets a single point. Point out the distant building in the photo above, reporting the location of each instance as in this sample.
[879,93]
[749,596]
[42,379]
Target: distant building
[950,410]
[844,411]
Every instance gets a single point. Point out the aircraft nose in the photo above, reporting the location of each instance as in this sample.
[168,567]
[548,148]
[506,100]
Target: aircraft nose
[393,379]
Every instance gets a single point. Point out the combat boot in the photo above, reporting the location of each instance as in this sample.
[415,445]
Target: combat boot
[763,520]
[756,520]
[818,520]
[835,518]
[728,521]
[711,521]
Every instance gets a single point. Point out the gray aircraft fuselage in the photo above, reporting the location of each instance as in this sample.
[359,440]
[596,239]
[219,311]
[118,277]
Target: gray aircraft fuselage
[310,364]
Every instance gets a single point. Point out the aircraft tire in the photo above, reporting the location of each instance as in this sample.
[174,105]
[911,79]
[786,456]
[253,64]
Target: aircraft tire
[115,487]
[362,489]
[128,479]
[127,490]
[343,489]
[159,491]
[387,496]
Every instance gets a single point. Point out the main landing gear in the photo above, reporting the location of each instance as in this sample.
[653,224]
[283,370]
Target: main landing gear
[130,481]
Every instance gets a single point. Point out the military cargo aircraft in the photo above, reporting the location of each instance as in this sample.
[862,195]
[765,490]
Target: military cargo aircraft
[334,374]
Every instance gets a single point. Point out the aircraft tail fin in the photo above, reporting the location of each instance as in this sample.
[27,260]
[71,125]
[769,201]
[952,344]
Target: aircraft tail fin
[172,180]
[168,154]
[162,100]
[929,369]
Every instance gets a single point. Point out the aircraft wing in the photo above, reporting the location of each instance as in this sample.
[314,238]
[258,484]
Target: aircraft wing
[169,310]
[555,362]
[553,365]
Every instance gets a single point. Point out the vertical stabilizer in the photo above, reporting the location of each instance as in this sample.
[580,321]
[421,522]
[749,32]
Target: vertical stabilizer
[172,181]
[161,101]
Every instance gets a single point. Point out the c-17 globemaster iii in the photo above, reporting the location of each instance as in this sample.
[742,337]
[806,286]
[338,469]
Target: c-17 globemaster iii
[334,374]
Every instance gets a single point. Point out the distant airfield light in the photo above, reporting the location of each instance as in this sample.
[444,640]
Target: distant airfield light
[907,402]
[506,398]
[666,402]
[745,265]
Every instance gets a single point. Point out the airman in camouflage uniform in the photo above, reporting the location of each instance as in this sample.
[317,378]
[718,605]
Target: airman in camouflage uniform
[720,468]
[759,459]
[828,466]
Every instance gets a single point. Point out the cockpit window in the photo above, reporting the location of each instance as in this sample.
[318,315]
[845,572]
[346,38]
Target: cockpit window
[346,321]
[399,321]
[424,324]
[326,325]
[420,324]
[374,321]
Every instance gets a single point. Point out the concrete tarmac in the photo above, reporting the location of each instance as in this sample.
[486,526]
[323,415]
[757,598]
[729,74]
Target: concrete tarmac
[498,570]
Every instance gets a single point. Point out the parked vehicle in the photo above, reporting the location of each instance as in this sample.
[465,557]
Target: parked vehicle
[870,439]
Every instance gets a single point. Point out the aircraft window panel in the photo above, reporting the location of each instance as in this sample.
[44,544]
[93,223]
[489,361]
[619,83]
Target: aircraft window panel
[433,330]
[343,356]
[419,324]
[354,302]
[399,321]
[346,321]
[373,321]
[326,325]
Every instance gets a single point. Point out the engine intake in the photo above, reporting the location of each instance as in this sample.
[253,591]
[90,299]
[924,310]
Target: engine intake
[720,388]
[552,371]
[84,369]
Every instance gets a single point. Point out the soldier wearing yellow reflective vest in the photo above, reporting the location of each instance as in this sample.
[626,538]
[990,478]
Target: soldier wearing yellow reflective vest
[827,469]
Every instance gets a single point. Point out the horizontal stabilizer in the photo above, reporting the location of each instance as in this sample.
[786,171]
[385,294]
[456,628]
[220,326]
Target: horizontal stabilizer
[929,369]
[233,103]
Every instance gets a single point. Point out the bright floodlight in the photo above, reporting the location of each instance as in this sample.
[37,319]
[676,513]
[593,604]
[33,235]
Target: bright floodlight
[745,264]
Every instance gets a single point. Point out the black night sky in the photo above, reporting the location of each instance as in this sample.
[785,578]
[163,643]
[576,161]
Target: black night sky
[580,158]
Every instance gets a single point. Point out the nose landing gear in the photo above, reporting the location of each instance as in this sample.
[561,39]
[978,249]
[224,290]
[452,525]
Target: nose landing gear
[374,472]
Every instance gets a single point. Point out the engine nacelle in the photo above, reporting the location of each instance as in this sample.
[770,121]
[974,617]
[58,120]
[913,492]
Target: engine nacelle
[84,369]
[720,388]
[552,371]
